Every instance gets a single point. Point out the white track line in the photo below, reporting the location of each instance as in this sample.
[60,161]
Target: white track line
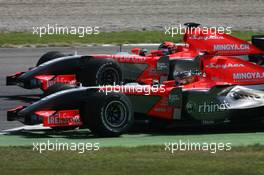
[25,128]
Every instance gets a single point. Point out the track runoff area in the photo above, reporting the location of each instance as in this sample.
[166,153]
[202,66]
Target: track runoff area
[26,136]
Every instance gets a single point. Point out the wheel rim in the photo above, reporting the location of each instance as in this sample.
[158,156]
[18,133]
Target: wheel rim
[109,76]
[115,114]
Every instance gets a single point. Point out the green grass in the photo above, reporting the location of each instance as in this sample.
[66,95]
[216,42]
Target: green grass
[26,138]
[137,160]
[9,39]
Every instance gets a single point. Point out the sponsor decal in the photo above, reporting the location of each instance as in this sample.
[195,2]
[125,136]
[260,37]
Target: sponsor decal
[207,107]
[60,120]
[248,75]
[230,47]
[128,58]
[224,66]
[212,107]
[67,79]
[68,117]
[49,80]
[195,37]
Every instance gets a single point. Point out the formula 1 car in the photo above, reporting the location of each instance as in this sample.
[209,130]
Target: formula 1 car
[223,92]
[99,69]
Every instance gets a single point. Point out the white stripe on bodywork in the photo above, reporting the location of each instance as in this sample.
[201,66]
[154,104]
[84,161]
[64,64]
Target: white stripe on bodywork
[25,128]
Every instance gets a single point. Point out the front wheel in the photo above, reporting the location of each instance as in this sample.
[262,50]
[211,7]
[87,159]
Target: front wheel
[108,115]
[49,56]
[100,72]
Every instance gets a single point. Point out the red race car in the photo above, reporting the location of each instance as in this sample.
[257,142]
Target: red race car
[139,66]
[225,90]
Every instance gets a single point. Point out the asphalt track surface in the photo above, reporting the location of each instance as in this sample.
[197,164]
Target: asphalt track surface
[116,15]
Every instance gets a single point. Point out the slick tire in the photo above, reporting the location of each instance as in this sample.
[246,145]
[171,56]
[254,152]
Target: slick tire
[49,56]
[56,88]
[100,72]
[108,115]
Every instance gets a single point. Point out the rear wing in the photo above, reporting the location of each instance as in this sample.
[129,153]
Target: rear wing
[210,39]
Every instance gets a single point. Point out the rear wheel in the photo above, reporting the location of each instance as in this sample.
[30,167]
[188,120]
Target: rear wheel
[100,72]
[108,115]
[49,56]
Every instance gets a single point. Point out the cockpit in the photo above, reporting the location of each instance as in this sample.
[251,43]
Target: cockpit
[185,77]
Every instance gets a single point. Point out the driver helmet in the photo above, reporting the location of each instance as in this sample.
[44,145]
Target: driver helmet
[183,78]
[168,47]
[143,52]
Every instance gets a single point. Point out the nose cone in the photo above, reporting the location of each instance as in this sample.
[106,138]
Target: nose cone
[66,99]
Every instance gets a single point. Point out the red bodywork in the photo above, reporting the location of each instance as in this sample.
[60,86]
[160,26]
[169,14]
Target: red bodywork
[231,70]
[224,44]
[196,40]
